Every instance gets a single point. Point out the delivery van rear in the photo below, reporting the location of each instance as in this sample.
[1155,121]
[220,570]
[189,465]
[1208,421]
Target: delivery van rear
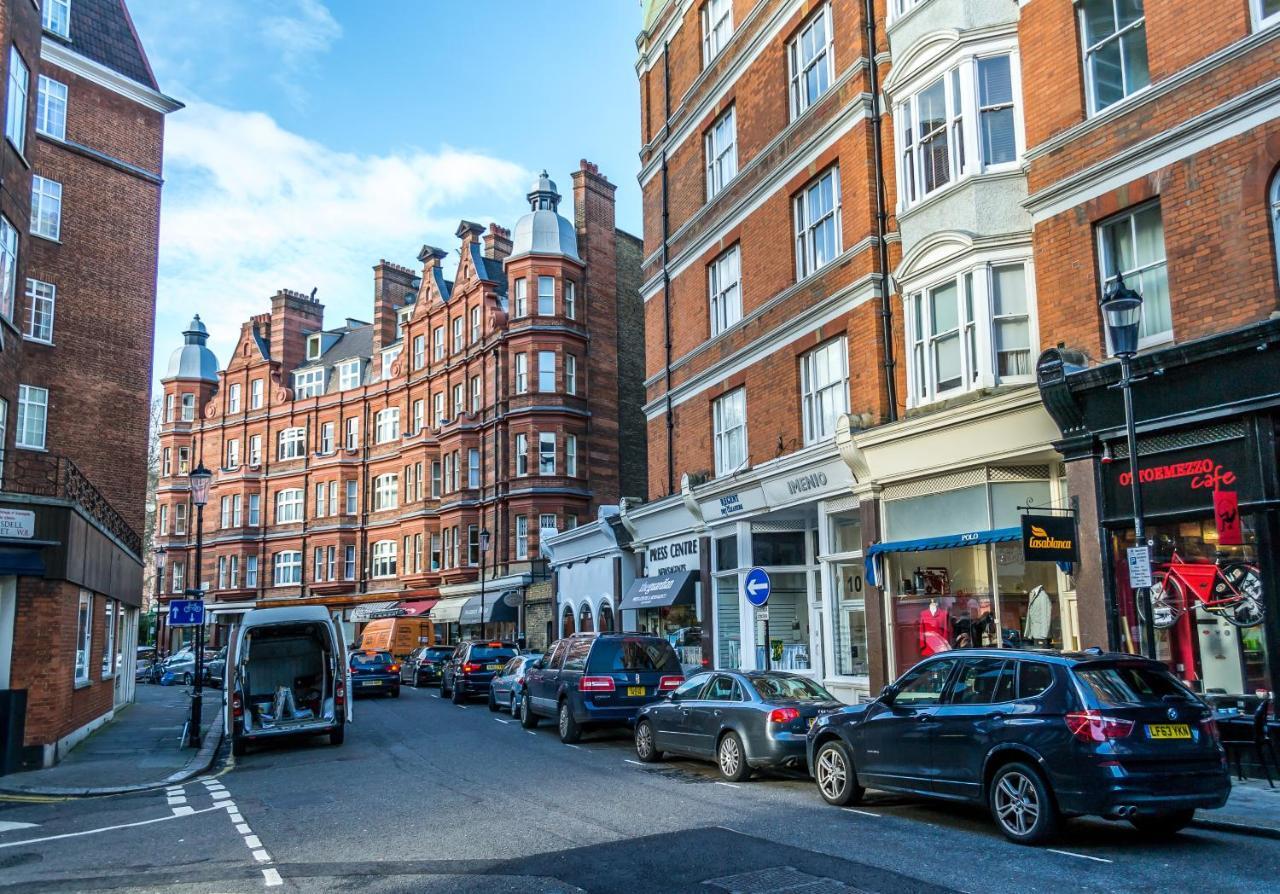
[286,675]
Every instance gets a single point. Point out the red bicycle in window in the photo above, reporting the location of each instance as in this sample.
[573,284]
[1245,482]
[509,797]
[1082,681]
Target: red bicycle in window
[1232,590]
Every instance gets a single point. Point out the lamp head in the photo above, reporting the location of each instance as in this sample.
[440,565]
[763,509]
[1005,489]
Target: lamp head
[200,479]
[484,540]
[1121,310]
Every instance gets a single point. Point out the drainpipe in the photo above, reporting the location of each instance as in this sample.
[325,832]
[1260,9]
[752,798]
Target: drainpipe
[882,217]
[666,278]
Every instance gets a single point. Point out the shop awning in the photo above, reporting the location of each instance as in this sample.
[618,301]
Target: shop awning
[369,610]
[446,611]
[950,541]
[418,607]
[491,608]
[661,590]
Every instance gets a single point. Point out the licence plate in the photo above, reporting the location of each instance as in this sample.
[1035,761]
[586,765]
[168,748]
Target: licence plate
[373,682]
[493,667]
[635,690]
[809,723]
[1168,731]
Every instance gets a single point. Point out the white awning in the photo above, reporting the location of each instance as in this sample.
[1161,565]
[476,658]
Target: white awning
[367,610]
[447,611]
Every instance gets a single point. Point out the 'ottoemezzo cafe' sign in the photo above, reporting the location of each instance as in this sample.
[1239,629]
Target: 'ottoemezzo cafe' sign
[1182,480]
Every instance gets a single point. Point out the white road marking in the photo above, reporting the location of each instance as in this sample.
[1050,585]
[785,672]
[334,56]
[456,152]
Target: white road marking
[579,747]
[252,842]
[500,720]
[235,815]
[243,828]
[272,877]
[1080,856]
[177,799]
[860,812]
[629,761]
[222,804]
[530,732]
[148,822]
[727,784]
[10,827]
[261,856]
[187,811]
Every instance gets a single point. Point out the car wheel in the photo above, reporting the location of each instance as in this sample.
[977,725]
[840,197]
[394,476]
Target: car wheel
[568,728]
[238,745]
[835,775]
[731,758]
[645,747]
[338,736]
[1162,824]
[1022,805]
[528,719]
[457,695]
[514,705]
[444,690]
[493,702]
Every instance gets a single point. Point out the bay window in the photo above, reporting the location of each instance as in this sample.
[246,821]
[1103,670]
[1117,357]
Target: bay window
[546,453]
[386,492]
[547,371]
[522,455]
[1132,244]
[571,455]
[289,505]
[522,373]
[546,296]
[824,387]
[520,306]
[1114,36]
[729,425]
[522,537]
[292,443]
[570,374]
[287,567]
[817,221]
[387,425]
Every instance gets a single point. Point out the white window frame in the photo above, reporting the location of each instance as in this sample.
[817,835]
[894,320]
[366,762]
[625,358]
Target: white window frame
[233,453]
[389,357]
[546,453]
[1274,196]
[1135,277]
[806,229]
[255,450]
[522,454]
[386,492]
[15,121]
[289,505]
[349,375]
[33,418]
[570,374]
[41,302]
[822,398]
[821,57]
[46,208]
[313,346]
[717,28]
[8,267]
[51,107]
[351,439]
[522,537]
[724,290]
[1089,50]
[458,342]
[546,296]
[188,404]
[308,383]
[520,305]
[56,17]
[475,325]
[419,415]
[84,612]
[546,372]
[286,568]
[723,431]
[326,438]
[387,425]
[1262,19]
[570,299]
[251,572]
[437,343]
[721,147]
[255,511]
[522,373]
[473,468]
[571,455]
[291,443]
[233,397]
[437,409]
[256,390]
[382,559]
[475,394]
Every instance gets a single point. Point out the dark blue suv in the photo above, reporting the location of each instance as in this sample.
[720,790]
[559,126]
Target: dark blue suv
[1036,736]
[591,679]
[471,668]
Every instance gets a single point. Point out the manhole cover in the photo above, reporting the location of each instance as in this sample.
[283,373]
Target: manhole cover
[780,879]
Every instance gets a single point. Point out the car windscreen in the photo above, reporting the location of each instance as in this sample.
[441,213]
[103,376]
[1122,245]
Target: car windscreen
[636,654]
[789,688]
[1129,685]
[364,659]
[437,654]
[491,655]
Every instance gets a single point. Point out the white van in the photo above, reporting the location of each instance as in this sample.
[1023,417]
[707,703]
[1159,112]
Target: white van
[286,675]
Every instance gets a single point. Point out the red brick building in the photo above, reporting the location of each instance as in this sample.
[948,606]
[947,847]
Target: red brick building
[78,247]
[356,466]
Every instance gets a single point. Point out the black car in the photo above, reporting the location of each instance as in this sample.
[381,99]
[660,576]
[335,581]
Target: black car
[1036,736]
[471,667]
[598,679]
[742,721]
[423,665]
[375,672]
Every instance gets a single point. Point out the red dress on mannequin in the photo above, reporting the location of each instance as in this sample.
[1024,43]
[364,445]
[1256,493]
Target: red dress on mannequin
[935,626]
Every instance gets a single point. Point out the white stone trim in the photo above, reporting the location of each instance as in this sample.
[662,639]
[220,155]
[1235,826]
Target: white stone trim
[64,57]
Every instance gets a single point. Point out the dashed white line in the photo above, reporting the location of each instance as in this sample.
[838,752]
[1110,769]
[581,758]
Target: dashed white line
[861,812]
[727,784]
[242,828]
[1079,856]
[252,842]
[222,804]
[272,877]
[187,811]
[530,732]
[261,856]
[578,747]
[500,720]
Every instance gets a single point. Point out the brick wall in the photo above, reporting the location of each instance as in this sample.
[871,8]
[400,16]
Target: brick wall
[633,445]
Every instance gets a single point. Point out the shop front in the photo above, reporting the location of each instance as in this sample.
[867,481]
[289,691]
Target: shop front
[666,605]
[492,615]
[591,569]
[1207,471]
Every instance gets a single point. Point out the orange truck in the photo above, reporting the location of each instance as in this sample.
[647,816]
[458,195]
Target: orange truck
[399,636]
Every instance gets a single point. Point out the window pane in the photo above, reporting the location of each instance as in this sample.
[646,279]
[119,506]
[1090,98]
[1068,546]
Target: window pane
[942,306]
[1108,79]
[1010,290]
[1099,20]
[1133,47]
[1013,353]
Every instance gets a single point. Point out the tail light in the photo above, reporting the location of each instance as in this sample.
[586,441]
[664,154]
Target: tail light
[596,684]
[237,709]
[340,693]
[470,668]
[1210,728]
[783,715]
[666,684]
[395,669]
[1092,726]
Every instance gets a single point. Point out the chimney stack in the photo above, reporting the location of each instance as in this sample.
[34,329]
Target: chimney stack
[293,317]
[392,285]
[497,242]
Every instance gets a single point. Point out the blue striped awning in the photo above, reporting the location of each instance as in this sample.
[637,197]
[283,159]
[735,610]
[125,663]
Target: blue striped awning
[949,541]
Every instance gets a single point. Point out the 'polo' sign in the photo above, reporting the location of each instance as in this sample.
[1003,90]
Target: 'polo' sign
[1049,538]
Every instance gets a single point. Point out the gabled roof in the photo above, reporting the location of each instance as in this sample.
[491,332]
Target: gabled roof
[102,30]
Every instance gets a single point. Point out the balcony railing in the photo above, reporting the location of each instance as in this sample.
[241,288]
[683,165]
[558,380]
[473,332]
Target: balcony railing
[51,475]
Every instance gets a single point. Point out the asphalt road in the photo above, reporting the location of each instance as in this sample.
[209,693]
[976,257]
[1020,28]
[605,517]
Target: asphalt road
[428,797]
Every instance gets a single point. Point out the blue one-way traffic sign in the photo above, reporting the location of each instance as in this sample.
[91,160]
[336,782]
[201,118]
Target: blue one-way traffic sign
[757,586]
[186,612]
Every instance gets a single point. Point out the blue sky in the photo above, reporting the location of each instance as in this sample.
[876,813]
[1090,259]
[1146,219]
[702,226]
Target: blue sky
[323,135]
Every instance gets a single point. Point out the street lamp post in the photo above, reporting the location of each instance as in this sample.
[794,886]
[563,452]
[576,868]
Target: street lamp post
[1122,310]
[159,588]
[200,479]
[484,616]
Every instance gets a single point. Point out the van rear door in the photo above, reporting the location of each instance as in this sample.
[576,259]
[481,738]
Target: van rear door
[342,667]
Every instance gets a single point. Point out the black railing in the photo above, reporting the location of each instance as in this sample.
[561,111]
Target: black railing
[51,475]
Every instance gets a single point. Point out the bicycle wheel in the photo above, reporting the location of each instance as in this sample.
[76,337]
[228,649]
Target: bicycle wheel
[1168,601]
[1239,589]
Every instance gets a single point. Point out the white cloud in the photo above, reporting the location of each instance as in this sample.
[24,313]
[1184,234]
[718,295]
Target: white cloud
[250,207]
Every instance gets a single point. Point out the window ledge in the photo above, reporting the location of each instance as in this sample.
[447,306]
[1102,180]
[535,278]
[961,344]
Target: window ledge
[54,239]
[18,446]
[1010,171]
[82,684]
[21,155]
[38,341]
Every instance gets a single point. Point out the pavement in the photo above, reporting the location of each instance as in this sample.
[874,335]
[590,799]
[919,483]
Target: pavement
[429,797]
[141,748]
[1252,809]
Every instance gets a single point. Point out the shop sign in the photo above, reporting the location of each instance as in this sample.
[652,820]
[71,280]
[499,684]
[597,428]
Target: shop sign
[1226,515]
[812,483]
[17,523]
[1182,480]
[729,505]
[680,554]
[1049,538]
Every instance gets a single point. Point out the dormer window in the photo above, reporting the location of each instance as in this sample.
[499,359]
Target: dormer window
[309,383]
[349,375]
[389,357]
[402,318]
[313,346]
[57,17]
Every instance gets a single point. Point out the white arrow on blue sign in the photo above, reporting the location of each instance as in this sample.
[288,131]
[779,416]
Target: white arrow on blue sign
[757,586]
[186,612]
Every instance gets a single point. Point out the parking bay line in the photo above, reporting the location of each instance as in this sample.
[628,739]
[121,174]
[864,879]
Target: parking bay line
[500,720]
[862,812]
[147,822]
[1080,856]
[727,784]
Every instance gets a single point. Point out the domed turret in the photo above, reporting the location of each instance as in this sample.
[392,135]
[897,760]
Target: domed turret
[194,360]
[543,231]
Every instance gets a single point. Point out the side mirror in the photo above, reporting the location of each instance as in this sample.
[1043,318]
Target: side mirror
[887,694]
[539,664]
[673,696]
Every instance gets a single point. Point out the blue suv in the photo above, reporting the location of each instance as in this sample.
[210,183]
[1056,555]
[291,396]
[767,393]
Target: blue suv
[598,679]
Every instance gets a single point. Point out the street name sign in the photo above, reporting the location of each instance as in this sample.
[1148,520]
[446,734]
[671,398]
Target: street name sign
[757,586]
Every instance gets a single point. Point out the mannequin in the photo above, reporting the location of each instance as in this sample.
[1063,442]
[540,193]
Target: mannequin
[1039,615]
[934,624]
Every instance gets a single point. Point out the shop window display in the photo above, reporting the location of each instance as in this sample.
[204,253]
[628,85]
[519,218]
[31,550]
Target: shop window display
[1208,604]
[849,607]
[728,633]
[788,642]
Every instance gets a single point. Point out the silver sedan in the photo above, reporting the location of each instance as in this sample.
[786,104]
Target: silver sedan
[507,688]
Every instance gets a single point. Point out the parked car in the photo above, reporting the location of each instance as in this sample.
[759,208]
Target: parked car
[472,666]
[145,665]
[1036,736]
[180,667]
[215,668]
[507,687]
[376,672]
[423,665]
[742,721]
[287,675]
[598,679]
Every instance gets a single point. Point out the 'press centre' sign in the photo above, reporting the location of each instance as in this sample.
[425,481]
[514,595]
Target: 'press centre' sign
[667,556]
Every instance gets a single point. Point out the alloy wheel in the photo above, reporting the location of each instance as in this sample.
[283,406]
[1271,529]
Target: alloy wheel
[644,740]
[730,756]
[1017,803]
[564,721]
[832,773]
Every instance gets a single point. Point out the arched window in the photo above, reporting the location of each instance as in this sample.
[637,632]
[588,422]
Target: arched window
[606,618]
[566,621]
[584,618]
[1275,216]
